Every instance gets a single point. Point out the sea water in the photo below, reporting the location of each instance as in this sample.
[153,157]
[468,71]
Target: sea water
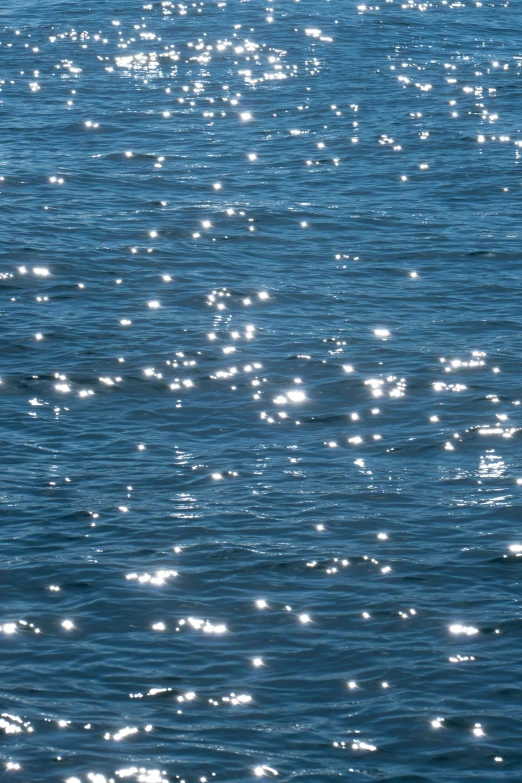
[261,385]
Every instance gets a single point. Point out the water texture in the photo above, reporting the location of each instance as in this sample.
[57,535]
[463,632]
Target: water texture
[261,383]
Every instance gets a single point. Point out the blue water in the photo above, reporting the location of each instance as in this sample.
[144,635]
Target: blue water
[261,383]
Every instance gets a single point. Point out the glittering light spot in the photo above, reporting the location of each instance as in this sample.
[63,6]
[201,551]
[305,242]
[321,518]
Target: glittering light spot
[159,578]
[260,771]
[467,630]
[122,733]
[205,625]
[360,745]
[296,395]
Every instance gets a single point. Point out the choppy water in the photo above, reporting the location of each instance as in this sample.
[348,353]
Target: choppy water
[260,391]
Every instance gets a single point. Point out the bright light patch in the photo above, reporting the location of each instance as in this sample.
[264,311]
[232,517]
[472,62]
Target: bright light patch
[467,630]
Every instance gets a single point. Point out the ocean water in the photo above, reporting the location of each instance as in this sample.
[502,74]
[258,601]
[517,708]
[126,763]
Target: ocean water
[260,389]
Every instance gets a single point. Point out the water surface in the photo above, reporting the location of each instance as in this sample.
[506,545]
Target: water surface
[261,378]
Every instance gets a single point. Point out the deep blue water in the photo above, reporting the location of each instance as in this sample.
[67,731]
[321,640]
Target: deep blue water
[261,383]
